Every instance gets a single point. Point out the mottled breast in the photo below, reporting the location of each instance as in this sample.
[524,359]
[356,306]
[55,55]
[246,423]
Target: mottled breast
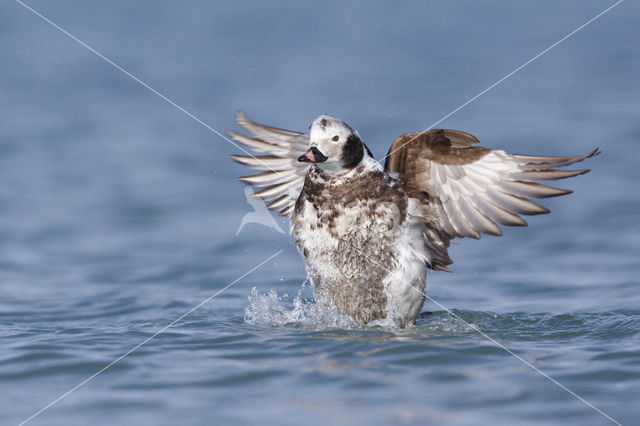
[346,228]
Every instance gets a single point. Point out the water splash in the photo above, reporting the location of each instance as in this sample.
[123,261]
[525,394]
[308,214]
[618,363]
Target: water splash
[273,310]
[280,310]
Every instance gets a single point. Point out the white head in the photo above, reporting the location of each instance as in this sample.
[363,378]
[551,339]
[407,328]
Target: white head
[334,146]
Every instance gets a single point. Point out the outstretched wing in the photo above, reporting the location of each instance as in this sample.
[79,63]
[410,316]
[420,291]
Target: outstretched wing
[284,175]
[470,190]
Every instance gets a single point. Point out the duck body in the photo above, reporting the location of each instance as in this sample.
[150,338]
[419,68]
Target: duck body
[362,248]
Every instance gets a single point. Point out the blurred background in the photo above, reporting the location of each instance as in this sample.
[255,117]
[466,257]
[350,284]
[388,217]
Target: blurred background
[118,212]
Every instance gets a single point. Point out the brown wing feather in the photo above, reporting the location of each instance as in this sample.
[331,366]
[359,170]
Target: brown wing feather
[435,145]
[467,190]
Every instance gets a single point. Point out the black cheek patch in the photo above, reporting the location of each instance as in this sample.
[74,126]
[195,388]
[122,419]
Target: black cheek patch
[352,152]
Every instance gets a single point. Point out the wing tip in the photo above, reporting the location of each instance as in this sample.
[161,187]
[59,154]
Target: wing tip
[581,171]
[553,162]
[517,221]
[543,210]
[240,159]
[440,267]
[560,192]
[494,232]
[241,117]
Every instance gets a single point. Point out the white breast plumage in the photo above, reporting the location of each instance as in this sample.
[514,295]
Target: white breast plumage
[358,241]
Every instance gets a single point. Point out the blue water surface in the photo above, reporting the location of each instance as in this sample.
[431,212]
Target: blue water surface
[119,212]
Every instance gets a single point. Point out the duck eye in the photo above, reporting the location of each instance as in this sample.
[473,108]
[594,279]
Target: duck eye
[336,138]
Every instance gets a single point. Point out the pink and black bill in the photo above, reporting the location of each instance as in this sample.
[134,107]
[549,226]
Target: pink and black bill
[313,155]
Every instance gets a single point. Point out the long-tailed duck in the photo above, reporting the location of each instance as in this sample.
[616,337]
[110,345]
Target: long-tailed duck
[366,233]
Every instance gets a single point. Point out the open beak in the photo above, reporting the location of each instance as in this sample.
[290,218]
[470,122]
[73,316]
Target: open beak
[313,155]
